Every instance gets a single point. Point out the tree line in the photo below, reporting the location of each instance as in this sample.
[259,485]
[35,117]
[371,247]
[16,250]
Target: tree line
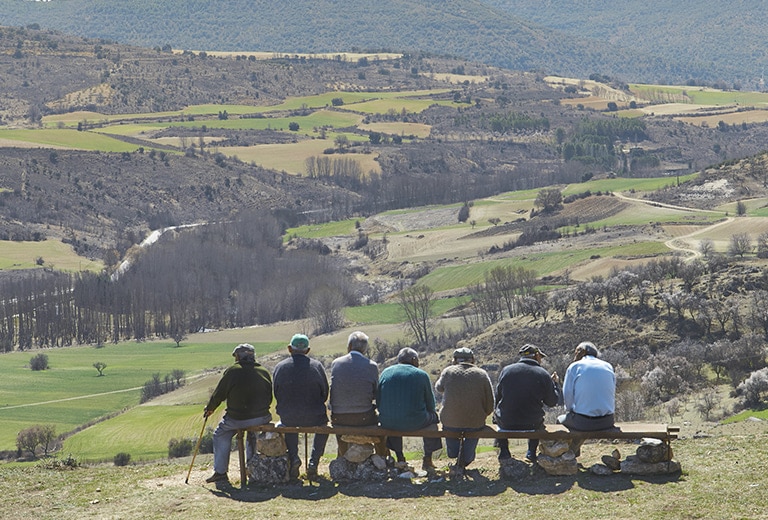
[216,276]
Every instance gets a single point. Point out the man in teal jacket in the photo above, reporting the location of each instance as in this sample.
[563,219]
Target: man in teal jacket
[406,403]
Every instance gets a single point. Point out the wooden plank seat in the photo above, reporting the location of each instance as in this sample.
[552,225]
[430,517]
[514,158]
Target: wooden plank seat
[623,431]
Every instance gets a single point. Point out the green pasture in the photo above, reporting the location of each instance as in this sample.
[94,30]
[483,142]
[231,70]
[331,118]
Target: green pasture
[143,432]
[68,138]
[746,414]
[72,393]
[460,276]
[391,313]
[130,129]
[321,118]
[55,254]
[624,184]
[328,229]
[755,207]
[384,106]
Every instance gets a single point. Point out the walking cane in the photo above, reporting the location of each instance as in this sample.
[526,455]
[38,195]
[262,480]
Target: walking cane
[197,447]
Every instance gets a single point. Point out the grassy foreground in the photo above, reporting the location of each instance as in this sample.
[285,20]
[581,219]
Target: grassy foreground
[723,478]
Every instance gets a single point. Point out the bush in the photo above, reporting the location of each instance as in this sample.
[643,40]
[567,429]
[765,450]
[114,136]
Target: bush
[180,448]
[39,362]
[41,436]
[61,464]
[206,443]
[122,459]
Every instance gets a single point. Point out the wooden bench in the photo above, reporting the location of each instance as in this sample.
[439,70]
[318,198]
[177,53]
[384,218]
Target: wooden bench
[623,431]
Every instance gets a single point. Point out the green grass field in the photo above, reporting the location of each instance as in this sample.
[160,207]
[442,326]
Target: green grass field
[455,277]
[391,313]
[72,393]
[55,254]
[68,138]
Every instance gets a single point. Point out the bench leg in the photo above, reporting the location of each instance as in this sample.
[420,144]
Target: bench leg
[460,458]
[241,456]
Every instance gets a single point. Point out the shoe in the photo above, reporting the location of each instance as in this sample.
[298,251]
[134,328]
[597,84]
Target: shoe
[312,470]
[530,457]
[504,455]
[427,464]
[401,464]
[217,477]
[295,469]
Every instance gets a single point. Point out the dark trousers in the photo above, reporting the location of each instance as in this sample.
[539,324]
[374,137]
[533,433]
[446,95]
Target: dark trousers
[585,423]
[503,444]
[318,446]
[431,444]
[465,448]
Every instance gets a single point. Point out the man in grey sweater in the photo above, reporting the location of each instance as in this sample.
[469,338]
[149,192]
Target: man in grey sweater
[354,381]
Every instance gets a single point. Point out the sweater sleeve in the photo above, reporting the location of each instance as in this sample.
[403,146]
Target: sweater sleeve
[488,402]
[220,393]
[429,395]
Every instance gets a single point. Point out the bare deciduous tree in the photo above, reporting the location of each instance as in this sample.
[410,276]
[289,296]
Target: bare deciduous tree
[417,303]
[739,245]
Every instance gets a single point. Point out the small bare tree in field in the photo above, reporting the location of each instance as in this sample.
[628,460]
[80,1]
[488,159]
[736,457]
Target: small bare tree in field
[707,403]
[100,366]
[739,245]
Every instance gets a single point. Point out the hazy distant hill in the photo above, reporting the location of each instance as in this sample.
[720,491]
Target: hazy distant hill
[471,29]
[719,40]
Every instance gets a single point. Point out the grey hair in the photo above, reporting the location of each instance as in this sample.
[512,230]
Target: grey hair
[357,341]
[589,348]
[407,356]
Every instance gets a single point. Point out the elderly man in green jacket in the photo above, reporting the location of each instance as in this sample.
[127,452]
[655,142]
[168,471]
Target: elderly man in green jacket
[247,388]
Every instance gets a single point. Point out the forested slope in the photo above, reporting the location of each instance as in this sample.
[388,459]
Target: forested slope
[467,28]
[719,41]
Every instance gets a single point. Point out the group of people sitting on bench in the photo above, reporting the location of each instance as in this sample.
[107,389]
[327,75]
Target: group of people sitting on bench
[401,398]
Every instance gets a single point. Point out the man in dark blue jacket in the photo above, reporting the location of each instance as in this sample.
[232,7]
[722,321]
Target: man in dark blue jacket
[521,393]
[301,390]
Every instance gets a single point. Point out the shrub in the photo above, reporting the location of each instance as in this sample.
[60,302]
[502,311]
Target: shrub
[39,362]
[180,448]
[122,459]
[206,443]
[34,437]
[61,464]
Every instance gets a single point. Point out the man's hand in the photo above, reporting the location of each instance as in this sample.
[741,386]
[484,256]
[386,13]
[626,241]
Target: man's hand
[555,378]
[207,413]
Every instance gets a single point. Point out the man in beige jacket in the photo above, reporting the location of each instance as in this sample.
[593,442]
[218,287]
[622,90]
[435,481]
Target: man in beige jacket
[467,402]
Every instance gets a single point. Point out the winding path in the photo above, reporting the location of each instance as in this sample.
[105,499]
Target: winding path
[680,243]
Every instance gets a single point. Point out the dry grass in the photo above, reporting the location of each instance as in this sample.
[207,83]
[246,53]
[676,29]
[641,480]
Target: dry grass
[722,478]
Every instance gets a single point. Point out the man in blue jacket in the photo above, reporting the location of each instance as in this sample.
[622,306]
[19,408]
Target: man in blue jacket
[521,393]
[301,390]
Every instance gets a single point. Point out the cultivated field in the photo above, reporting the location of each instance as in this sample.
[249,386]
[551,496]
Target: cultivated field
[319,117]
